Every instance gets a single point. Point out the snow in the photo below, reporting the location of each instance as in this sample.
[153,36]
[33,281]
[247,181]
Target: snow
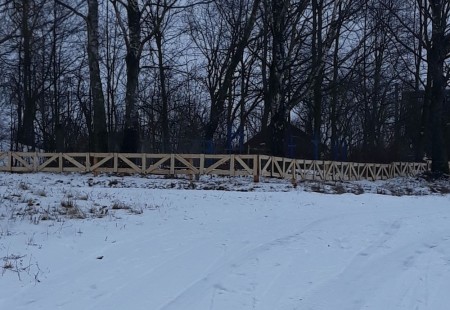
[107,242]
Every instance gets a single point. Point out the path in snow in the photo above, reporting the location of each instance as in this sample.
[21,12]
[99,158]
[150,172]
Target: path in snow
[228,250]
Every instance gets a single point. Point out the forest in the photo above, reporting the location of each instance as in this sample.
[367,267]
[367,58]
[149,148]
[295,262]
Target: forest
[345,80]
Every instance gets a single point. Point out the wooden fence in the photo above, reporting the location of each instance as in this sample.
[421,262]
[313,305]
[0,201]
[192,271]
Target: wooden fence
[202,164]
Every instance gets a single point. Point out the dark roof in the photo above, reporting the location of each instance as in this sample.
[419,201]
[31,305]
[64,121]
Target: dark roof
[297,143]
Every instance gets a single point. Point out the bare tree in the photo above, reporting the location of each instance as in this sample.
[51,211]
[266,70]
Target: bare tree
[433,36]
[438,50]
[236,23]
[93,53]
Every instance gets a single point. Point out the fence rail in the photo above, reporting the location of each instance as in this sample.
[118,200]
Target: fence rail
[205,164]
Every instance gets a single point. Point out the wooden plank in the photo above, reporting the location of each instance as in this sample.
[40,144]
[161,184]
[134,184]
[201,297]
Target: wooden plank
[335,171]
[371,170]
[241,162]
[353,175]
[187,164]
[60,163]
[105,159]
[289,168]
[21,169]
[4,159]
[304,172]
[10,161]
[294,170]
[276,167]
[330,170]
[232,160]
[172,164]
[155,167]
[124,158]
[19,157]
[47,162]
[143,163]
[35,162]
[221,161]
[380,172]
[318,170]
[360,171]
[202,164]
[115,162]
[386,172]
[349,171]
[216,156]
[341,168]
[264,171]
[72,160]
[256,167]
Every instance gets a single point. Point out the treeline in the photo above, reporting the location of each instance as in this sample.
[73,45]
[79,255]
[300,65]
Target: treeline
[362,79]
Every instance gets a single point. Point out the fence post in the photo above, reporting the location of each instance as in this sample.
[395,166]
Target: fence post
[10,163]
[35,162]
[172,164]
[88,162]
[202,164]
[256,167]
[143,163]
[115,162]
[272,166]
[232,172]
[60,162]
[294,173]
[95,163]
[294,169]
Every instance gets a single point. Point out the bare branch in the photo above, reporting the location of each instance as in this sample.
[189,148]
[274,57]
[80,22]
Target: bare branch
[72,9]
[185,6]
[120,21]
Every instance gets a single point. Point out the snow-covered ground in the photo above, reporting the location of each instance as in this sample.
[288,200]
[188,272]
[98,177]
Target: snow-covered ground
[84,242]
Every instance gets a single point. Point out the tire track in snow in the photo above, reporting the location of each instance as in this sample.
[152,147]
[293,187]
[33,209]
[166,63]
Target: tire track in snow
[401,275]
[280,283]
[211,282]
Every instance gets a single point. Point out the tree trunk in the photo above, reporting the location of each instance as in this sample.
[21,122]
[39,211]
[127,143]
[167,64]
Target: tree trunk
[264,65]
[99,119]
[275,95]
[438,53]
[218,103]
[164,97]
[335,145]
[437,98]
[26,132]
[317,69]
[132,63]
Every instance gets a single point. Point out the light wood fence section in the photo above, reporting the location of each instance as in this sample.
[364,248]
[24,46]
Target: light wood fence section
[203,164]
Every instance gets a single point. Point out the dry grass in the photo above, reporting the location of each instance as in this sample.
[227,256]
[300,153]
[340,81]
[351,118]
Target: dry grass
[118,205]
